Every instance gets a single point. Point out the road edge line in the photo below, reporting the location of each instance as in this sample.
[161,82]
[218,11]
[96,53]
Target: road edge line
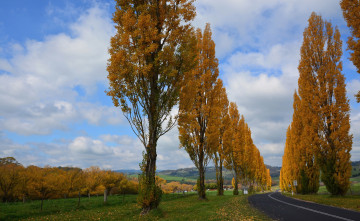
[312,210]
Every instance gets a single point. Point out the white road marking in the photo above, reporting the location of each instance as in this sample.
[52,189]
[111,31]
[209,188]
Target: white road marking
[312,210]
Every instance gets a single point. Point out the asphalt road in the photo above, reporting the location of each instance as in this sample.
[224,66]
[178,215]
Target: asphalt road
[280,207]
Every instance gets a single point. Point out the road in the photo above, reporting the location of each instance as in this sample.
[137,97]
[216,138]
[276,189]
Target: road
[280,207]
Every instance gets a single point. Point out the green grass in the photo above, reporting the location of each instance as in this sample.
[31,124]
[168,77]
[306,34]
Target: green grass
[172,207]
[355,179]
[349,201]
[355,170]
[169,178]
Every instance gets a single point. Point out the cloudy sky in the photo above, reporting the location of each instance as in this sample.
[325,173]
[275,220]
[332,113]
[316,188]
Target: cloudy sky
[53,55]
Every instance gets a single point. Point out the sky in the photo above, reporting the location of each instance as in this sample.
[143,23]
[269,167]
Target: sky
[53,57]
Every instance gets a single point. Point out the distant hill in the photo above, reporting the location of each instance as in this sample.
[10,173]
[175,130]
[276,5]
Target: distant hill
[128,172]
[355,168]
[355,163]
[188,175]
[210,174]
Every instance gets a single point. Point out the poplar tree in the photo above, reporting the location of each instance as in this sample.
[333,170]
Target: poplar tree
[285,172]
[149,55]
[312,64]
[319,134]
[351,13]
[336,142]
[197,102]
[215,134]
[233,141]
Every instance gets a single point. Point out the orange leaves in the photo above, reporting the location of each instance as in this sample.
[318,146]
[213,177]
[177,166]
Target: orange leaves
[149,56]
[242,156]
[351,11]
[319,132]
[198,103]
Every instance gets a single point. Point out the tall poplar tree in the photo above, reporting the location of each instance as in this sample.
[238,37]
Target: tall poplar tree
[336,142]
[149,55]
[215,134]
[312,64]
[233,141]
[319,133]
[351,12]
[285,172]
[197,99]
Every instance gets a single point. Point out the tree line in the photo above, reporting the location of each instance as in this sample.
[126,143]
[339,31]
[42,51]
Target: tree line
[35,183]
[158,61]
[211,128]
[318,142]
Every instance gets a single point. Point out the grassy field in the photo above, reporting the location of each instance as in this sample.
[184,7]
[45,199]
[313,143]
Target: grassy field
[172,207]
[170,178]
[348,201]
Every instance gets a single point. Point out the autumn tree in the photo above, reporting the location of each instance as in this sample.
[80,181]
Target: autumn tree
[10,171]
[335,140]
[351,10]
[268,179]
[197,99]
[72,181]
[311,65]
[44,182]
[92,179]
[234,144]
[319,137]
[215,136]
[149,55]
[110,179]
[23,185]
[285,178]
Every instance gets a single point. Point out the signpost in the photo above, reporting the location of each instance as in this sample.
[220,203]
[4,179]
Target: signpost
[295,184]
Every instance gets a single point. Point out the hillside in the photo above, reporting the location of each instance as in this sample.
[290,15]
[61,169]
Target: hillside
[355,168]
[190,175]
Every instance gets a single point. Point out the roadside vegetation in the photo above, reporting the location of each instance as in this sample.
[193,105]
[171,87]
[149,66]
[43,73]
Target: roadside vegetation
[173,207]
[350,201]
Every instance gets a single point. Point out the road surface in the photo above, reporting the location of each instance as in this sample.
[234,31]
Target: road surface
[280,207]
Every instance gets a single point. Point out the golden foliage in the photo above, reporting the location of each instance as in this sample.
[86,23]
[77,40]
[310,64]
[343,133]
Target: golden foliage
[318,137]
[351,10]
[17,182]
[197,102]
[149,55]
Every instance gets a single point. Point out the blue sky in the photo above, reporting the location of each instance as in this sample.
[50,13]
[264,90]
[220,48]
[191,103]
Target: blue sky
[53,58]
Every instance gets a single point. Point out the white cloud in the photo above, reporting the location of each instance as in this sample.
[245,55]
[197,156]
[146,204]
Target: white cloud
[255,24]
[257,42]
[37,93]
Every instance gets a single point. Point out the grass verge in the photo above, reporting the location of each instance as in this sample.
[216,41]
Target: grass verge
[347,202]
[172,207]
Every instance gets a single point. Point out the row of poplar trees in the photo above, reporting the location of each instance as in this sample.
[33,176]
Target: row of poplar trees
[210,128]
[156,60]
[318,142]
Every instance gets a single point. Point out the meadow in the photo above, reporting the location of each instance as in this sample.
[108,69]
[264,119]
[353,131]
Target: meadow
[172,207]
[350,201]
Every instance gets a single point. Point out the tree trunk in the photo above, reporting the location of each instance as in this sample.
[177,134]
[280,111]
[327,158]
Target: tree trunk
[217,174]
[201,187]
[221,179]
[150,195]
[79,199]
[89,194]
[105,195]
[236,190]
[42,202]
